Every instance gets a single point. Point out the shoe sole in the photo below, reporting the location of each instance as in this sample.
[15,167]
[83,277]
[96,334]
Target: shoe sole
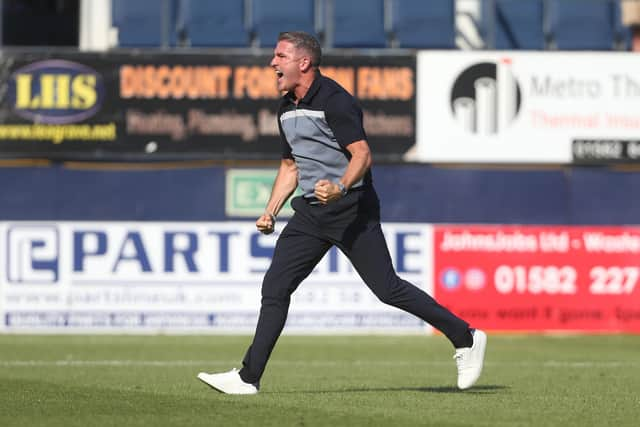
[203,376]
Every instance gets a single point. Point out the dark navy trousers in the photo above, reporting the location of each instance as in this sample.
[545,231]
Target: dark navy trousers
[351,223]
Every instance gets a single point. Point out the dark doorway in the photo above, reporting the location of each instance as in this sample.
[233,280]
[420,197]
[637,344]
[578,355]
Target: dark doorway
[40,22]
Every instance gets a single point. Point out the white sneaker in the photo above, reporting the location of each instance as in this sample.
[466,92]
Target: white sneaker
[470,360]
[228,382]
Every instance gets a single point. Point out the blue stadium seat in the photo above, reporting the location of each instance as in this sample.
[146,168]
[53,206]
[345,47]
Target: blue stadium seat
[424,24]
[513,24]
[215,24]
[270,17]
[141,23]
[582,24]
[359,23]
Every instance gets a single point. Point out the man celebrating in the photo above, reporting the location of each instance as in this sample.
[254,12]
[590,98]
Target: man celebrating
[325,152]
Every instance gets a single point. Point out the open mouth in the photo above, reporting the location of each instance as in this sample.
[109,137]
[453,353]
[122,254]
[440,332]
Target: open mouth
[279,74]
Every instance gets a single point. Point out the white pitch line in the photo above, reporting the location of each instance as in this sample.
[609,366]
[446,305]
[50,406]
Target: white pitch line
[309,363]
[124,363]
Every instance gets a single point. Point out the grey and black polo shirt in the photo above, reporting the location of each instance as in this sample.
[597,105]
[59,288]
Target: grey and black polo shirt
[316,132]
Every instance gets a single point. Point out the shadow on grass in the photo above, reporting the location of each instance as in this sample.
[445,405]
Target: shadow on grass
[481,389]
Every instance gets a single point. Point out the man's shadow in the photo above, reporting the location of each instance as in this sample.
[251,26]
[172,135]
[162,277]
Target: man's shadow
[476,390]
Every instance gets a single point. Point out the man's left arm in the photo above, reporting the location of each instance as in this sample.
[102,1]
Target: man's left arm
[360,162]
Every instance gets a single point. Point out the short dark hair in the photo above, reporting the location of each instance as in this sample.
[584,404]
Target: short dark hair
[306,42]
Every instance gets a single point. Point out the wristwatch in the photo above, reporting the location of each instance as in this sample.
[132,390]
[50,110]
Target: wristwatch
[343,189]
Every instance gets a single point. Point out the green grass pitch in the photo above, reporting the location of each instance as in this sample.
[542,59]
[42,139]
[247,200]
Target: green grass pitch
[106,380]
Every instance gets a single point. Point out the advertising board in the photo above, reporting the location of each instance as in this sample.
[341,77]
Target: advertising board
[528,107]
[180,277]
[153,277]
[168,106]
[511,278]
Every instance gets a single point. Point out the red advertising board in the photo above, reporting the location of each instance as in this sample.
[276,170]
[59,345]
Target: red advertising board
[524,278]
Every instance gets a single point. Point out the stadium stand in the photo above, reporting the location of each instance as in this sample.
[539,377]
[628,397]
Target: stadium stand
[423,25]
[214,24]
[414,24]
[358,24]
[513,24]
[581,24]
[145,24]
[270,17]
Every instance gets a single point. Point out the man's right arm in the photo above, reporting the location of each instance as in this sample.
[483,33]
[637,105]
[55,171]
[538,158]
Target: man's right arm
[284,185]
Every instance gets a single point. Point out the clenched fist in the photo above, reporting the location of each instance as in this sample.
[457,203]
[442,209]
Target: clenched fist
[326,191]
[266,223]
